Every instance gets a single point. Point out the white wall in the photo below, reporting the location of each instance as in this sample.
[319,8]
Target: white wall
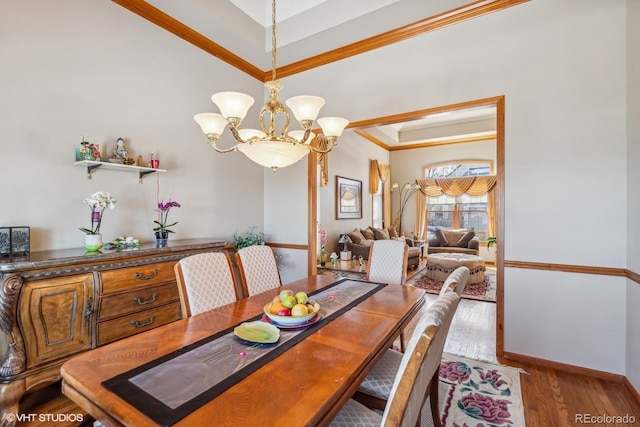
[74,68]
[633,191]
[564,87]
[286,216]
[408,165]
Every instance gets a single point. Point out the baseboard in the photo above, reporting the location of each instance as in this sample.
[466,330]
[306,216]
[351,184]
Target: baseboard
[632,389]
[565,367]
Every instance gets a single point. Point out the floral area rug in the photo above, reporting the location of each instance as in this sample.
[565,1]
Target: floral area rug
[483,291]
[477,394]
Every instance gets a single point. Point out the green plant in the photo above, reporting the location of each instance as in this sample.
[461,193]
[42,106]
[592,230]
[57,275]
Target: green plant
[491,241]
[250,238]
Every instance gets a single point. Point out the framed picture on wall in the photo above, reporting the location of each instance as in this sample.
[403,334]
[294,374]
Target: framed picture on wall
[348,198]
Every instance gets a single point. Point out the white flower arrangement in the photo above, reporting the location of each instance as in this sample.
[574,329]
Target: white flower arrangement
[98,202]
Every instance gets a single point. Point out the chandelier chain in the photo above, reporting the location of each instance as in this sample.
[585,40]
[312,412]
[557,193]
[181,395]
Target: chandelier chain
[273,40]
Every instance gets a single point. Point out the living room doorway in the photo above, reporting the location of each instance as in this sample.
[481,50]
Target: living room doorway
[364,129]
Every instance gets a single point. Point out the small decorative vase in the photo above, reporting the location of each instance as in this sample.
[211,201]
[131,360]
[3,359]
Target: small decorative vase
[161,239]
[323,259]
[93,242]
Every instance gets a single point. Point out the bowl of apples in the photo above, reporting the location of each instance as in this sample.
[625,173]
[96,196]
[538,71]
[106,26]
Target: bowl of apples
[289,309]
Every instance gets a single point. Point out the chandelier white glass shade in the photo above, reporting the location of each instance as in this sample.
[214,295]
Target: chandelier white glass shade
[269,147]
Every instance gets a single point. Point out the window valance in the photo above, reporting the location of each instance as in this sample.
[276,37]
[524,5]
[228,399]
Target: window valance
[471,185]
[378,170]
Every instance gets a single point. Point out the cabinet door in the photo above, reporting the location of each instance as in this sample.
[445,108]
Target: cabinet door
[54,317]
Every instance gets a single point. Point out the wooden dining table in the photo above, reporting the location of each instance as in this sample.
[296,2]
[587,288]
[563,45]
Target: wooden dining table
[306,385]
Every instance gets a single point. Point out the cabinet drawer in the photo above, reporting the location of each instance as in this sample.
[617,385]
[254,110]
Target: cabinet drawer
[122,327]
[142,275]
[137,300]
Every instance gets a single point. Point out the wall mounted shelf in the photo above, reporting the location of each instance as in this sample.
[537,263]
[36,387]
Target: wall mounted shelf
[93,165]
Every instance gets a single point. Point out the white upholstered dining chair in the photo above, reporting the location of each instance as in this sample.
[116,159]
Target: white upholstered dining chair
[258,269]
[388,262]
[456,281]
[205,281]
[399,384]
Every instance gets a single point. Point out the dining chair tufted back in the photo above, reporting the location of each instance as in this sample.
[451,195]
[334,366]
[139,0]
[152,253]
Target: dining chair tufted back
[258,269]
[205,281]
[388,262]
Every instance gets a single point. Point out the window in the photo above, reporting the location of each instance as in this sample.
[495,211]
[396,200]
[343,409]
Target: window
[458,212]
[458,170]
[462,211]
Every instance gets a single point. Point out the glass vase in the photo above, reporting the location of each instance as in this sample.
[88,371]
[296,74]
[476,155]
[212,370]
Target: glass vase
[162,238]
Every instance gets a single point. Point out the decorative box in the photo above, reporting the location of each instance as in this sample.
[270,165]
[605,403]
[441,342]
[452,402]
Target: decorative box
[5,242]
[20,241]
[14,241]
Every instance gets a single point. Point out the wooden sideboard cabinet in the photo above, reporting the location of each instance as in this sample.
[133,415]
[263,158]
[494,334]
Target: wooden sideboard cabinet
[56,304]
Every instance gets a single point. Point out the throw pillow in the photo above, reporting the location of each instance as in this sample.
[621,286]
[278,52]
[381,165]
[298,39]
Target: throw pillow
[399,239]
[380,234]
[356,236]
[392,232]
[464,240]
[368,234]
[367,242]
[442,240]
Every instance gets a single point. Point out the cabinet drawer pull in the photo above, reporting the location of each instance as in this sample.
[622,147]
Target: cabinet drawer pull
[142,325]
[149,301]
[151,276]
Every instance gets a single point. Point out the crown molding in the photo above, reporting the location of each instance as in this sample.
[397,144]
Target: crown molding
[454,16]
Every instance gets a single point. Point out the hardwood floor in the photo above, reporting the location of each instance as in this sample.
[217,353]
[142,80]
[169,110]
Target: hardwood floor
[551,398]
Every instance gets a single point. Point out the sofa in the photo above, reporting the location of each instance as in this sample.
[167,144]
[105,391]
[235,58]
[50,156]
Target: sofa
[361,240]
[450,240]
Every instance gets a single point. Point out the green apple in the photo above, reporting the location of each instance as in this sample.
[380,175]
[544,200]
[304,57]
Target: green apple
[301,298]
[289,301]
[285,293]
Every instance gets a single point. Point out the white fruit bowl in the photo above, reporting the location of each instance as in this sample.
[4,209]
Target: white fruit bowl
[289,320]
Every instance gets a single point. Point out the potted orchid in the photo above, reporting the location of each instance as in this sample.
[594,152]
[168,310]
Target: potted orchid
[162,230]
[323,252]
[98,203]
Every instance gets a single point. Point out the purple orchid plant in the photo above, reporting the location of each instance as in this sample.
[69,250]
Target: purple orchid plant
[163,214]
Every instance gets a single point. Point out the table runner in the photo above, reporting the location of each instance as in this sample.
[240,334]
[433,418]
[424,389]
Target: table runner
[171,387]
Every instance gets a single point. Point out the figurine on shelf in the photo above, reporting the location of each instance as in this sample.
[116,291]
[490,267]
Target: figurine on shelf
[88,151]
[334,258]
[120,153]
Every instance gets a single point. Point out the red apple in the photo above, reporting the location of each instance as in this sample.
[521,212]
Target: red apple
[284,311]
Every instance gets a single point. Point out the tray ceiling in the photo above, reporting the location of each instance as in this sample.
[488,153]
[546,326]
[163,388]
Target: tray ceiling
[308,28]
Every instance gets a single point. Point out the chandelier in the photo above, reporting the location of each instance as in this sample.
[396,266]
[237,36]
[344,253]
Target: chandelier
[268,147]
